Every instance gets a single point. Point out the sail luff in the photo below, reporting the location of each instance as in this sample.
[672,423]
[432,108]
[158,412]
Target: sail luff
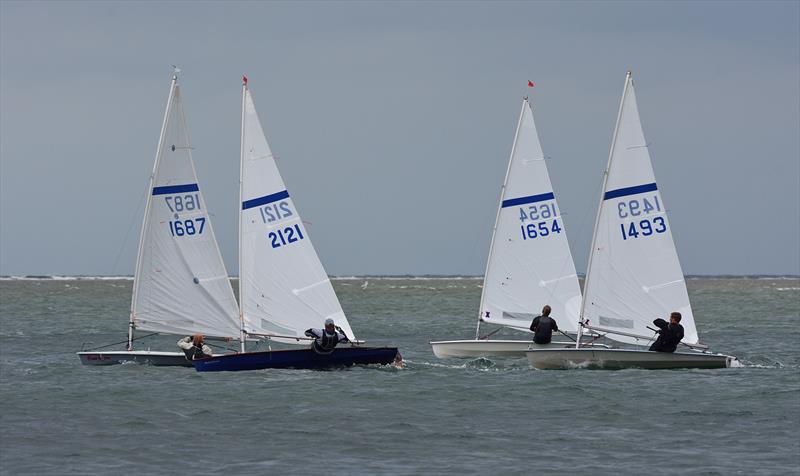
[242,336]
[145,221]
[497,216]
[600,207]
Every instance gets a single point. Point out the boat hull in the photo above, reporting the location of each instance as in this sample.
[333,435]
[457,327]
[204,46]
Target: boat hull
[147,357]
[624,359]
[298,359]
[465,349]
[462,349]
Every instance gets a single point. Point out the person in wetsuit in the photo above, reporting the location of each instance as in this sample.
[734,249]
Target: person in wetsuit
[194,347]
[669,334]
[543,327]
[325,340]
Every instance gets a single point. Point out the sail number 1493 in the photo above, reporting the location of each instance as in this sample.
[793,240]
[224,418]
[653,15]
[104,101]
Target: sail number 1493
[637,210]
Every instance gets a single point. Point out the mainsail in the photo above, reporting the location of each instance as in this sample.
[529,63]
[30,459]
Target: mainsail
[284,289]
[529,263]
[634,275]
[180,285]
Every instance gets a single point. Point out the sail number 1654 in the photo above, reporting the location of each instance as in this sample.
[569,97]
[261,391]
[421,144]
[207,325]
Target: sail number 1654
[544,218]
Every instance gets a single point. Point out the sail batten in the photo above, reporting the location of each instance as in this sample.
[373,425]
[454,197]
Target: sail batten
[530,264]
[634,275]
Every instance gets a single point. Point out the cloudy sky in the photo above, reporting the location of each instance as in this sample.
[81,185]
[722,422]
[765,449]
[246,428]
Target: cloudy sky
[393,123]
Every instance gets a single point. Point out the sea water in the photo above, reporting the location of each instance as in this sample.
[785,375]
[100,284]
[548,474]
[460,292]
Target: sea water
[433,416]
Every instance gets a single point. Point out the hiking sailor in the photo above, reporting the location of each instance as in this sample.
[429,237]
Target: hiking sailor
[543,327]
[669,335]
[194,347]
[325,340]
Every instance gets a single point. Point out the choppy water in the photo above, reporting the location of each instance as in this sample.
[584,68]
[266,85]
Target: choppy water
[432,417]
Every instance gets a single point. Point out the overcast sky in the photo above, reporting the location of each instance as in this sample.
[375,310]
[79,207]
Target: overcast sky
[393,123]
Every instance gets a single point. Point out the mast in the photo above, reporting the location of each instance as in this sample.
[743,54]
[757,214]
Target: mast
[137,271]
[497,218]
[239,208]
[600,209]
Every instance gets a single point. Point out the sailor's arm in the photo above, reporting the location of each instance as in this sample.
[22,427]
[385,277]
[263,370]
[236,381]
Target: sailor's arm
[185,343]
[661,323]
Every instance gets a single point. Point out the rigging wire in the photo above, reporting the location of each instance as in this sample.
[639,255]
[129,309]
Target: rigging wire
[130,227]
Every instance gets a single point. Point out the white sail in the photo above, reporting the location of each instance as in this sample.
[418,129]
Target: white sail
[284,288]
[634,275]
[180,285]
[530,263]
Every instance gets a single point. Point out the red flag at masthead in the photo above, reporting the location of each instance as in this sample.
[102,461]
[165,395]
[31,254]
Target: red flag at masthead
[530,84]
[244,80]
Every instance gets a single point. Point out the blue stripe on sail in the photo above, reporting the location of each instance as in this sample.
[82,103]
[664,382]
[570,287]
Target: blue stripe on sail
[170,189]
[624,192]
[529,199]
[257,202]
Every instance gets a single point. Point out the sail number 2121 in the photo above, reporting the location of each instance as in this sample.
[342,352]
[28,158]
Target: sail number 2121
[285,236]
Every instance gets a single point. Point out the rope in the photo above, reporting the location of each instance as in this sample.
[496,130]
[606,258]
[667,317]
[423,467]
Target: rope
[598,336]
[226,347]
[486,337]
[567,335]
[118,343]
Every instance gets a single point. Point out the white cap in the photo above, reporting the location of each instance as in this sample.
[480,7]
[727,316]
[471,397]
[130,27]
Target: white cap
[329,321]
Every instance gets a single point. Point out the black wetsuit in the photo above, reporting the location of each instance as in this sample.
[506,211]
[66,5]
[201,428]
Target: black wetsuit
[325,342]
[668,337]
[543,327]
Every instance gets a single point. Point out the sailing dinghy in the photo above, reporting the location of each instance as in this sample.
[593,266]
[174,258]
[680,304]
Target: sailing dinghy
[283,287]
[633,275]
[180,284]
[529,263]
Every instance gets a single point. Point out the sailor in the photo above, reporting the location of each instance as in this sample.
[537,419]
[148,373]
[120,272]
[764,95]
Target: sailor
[669,335]
[325,340]
[543,326]
[194,348]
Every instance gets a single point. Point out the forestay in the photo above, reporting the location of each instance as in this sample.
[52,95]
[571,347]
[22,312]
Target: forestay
[284,288]
[180,285]
[634,275]
[530,263]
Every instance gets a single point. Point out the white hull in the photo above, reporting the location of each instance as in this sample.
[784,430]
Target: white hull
[485,348]
[114,357]
[623,359]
